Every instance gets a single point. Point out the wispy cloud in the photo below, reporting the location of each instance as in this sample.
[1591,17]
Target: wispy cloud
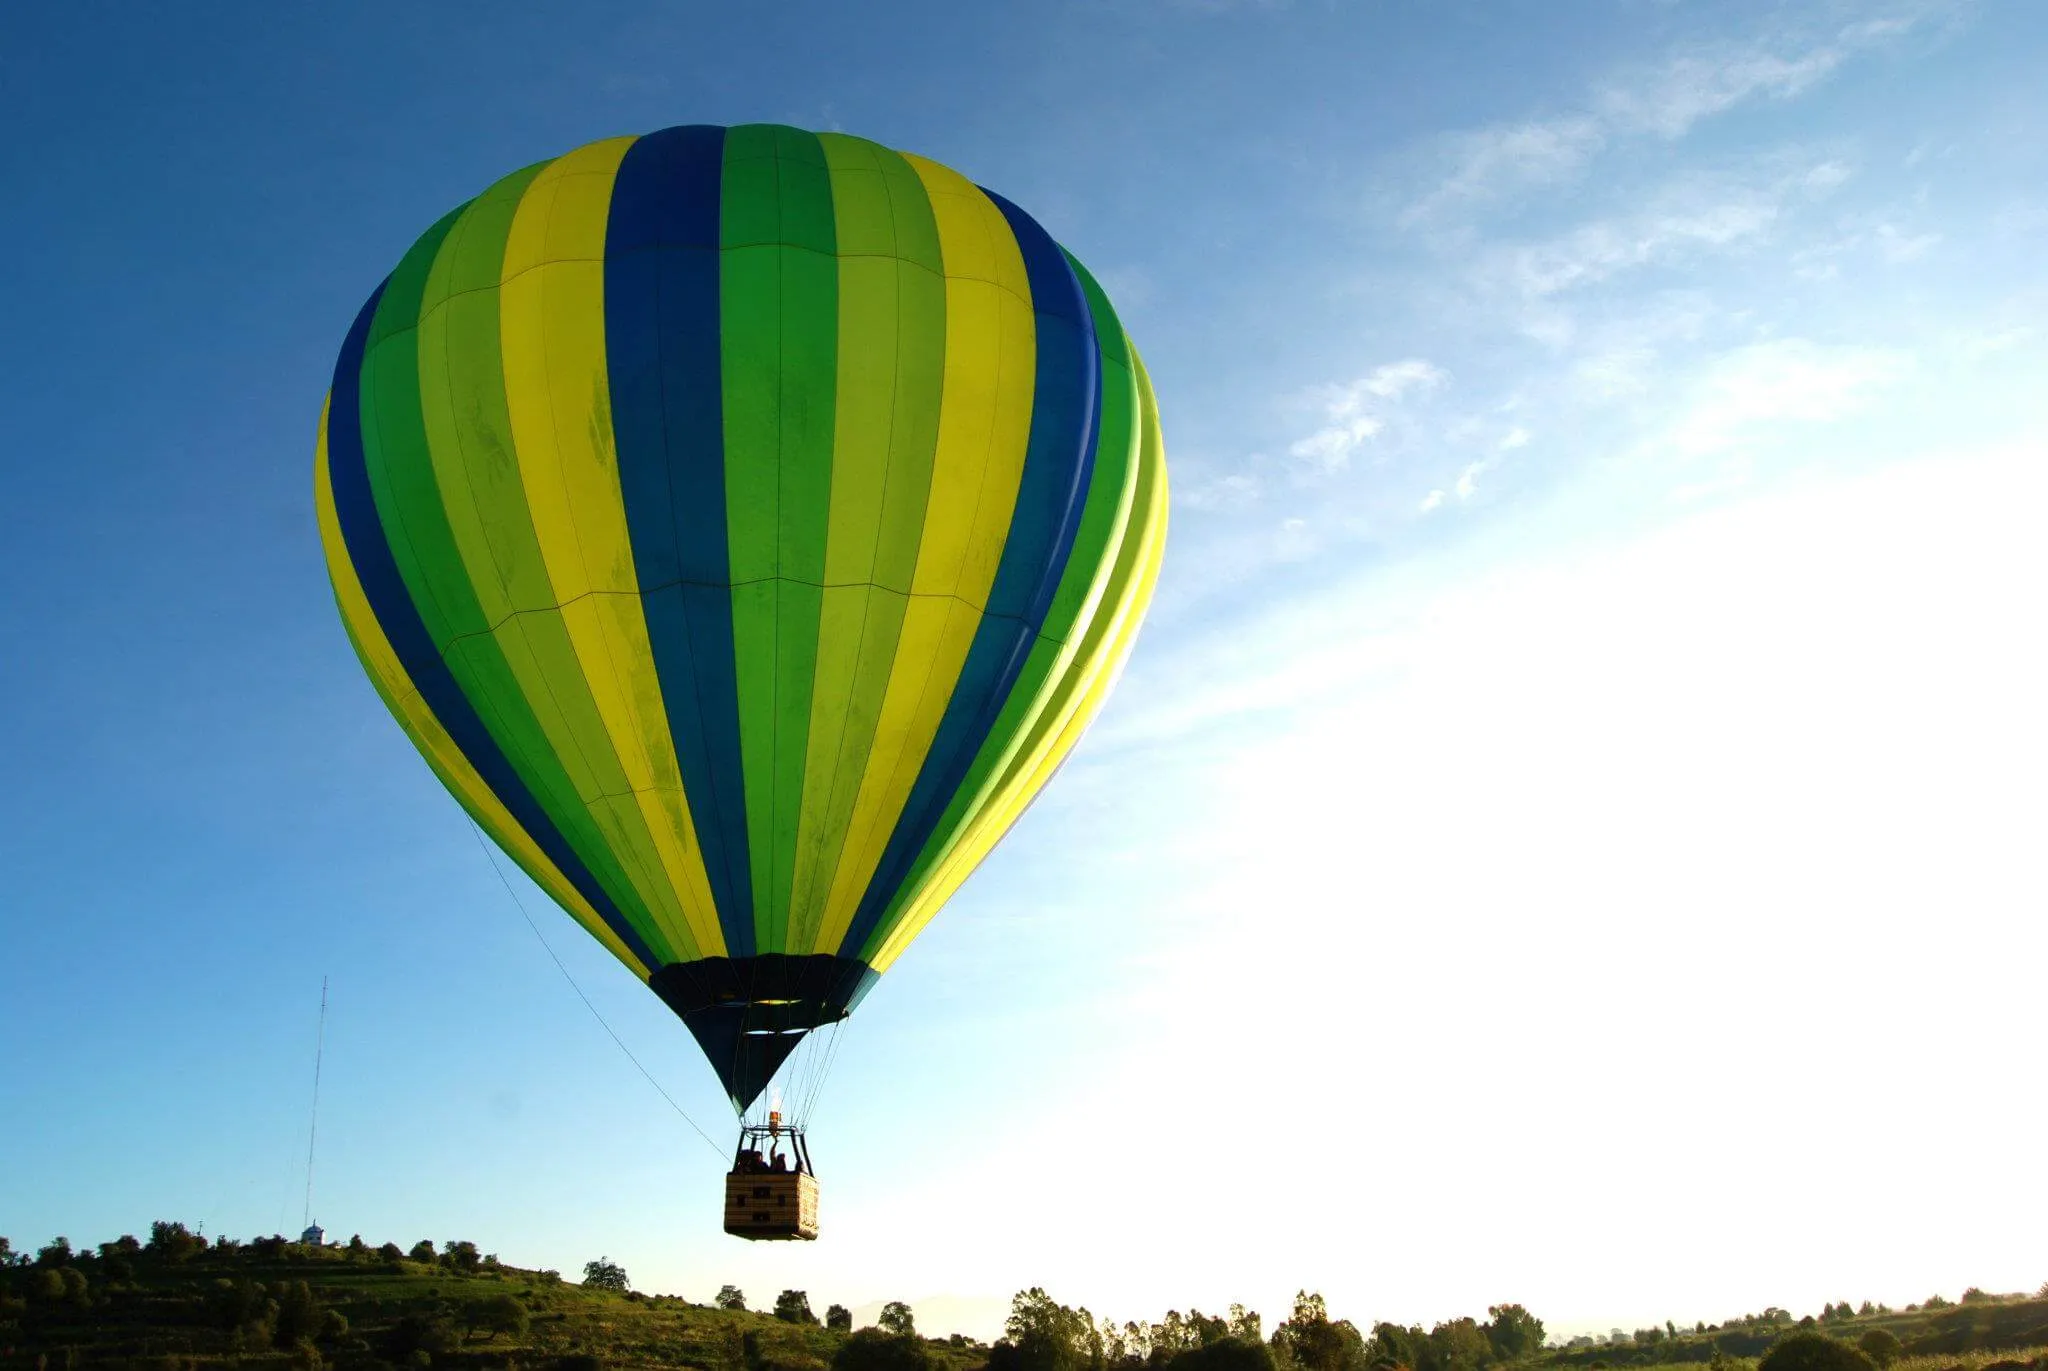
[1691,216]
[1664,100]
[1353,411]
[1747,393]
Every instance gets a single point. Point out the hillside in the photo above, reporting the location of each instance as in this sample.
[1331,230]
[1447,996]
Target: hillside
[180,1303]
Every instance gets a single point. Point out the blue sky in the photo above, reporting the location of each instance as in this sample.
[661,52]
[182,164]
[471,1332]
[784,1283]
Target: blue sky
[1585,752]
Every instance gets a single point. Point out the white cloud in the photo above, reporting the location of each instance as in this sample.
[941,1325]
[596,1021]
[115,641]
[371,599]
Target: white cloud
[1237,490]
[1694,86]
[1349,413]
[1431,501]
[1665,100]
[1492,161]
[1748,393]
[1693,215]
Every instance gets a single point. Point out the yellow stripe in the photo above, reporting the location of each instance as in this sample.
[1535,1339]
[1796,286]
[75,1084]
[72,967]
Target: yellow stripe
[1115,631]
[559,402]
[984,426]
[400,696]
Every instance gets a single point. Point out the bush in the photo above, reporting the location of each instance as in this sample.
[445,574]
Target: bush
[1880,1346]
[1808,1351]
[794,1306]
[1225,1354]
[839,1319]
[423,1250]
[871,1349]
[500,1314]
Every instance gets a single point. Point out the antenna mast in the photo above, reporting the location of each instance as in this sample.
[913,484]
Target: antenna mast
[313,1130]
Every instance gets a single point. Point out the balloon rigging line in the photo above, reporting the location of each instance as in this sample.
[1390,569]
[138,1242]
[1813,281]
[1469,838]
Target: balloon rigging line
[520,905]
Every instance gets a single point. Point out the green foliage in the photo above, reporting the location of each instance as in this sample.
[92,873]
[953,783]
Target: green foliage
[730,1297]
[462,1256]
[1810,1351]
[1512,1332]
[499,1316]
[896,1318]
[1045,1335]
[873,1349]
[422,1251]
[839,1319]
[298,1313]
[390,1252]
[1880,1345]
[1311,1340]
[1227,1353]
[794,1306]
[420,1332]
[1976,1296]
[1937,1302]
[605,1274]
[173,1241]
[55,1252]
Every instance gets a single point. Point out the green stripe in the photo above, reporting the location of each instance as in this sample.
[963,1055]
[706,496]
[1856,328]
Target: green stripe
[1115,451]
[403,483]
[469,434]
[779,338]
[892,302]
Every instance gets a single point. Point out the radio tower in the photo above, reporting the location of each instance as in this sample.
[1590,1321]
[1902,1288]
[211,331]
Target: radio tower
[313,1129]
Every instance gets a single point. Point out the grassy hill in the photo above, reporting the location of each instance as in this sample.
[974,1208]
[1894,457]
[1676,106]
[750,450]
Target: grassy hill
[277,1304]
[181,1304]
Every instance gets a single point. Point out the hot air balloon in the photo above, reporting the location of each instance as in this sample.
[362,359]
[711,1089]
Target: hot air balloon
[743,523]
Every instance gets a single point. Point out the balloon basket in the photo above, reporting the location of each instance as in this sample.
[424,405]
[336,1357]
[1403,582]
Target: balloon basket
[771,1194]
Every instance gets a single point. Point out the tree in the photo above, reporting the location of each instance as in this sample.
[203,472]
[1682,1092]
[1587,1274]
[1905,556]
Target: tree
[298,1314]
[422,1251]
[872,1349]
[839,1319]
[1512,1331]
[463,1256]
[730,1297]
[6,1253]
[896,1318]
[499,1314]
[1976,1296]
[1045,1335]
[1881,1345]
[1228,1353]
[794,1306]
[605,1274]
[1810,1351]
[390,1252]
[1459,1345]
[173,1240]
[1244,1323]
[55,1252]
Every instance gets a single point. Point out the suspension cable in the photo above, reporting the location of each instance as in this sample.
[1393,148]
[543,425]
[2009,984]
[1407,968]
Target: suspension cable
[520,905]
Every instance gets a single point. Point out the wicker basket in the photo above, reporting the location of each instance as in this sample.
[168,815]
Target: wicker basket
[771,1205]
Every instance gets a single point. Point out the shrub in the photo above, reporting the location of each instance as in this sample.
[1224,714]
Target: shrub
[1809,1351]
[1880,1345]
[500,1314]
[839,1319]
[1225,1354]
[871,1349]
[423,1250]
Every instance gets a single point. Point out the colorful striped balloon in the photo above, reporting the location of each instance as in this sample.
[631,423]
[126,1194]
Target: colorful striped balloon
[744,524]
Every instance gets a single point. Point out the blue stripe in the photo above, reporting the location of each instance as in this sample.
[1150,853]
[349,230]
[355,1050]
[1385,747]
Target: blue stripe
[662,338]
[369,552]
[1059,460]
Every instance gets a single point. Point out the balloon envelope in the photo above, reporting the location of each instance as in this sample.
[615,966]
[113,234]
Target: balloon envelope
[743,524]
